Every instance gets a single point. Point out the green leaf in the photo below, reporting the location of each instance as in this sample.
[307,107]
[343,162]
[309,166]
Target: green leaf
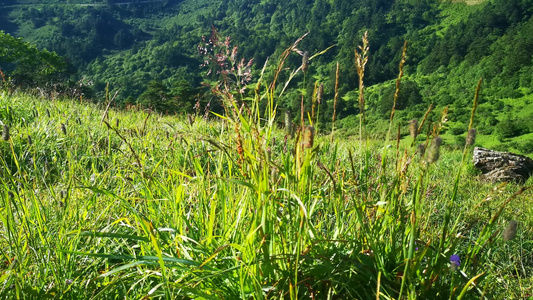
[109,235]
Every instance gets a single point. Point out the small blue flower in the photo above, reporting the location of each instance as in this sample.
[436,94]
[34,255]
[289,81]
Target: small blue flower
[455,260]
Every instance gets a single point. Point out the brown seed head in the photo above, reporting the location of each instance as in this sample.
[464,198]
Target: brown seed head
[413,128]
[288,123]
[308,137]
[471,137]
[305,61]
[64,129]
[320,93]
[510,231]
[434,150]
[421,149]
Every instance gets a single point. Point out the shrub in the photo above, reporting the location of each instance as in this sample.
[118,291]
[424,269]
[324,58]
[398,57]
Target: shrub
[509,92]
[457,130]
[459,142]
[526,147]
[409,96]
[509,128]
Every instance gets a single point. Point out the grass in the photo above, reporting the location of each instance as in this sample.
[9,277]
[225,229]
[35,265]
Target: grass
[132,204]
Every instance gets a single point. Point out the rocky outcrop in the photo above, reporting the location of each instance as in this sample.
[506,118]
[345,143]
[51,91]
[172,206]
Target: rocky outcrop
[502,166]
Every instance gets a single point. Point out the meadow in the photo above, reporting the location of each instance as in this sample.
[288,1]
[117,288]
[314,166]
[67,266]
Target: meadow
[101,203]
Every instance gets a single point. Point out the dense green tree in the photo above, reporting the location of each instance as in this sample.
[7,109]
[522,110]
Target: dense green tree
[25,63]
[509,128]
[409,95]
[185,95]
[156,96]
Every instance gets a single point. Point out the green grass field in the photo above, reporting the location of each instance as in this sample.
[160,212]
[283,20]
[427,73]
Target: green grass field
[130,204]
[153,206]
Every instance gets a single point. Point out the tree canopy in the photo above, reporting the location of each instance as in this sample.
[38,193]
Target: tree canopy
[25,63]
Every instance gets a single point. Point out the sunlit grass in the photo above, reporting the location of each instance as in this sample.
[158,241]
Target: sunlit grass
[133,204]
[81,218]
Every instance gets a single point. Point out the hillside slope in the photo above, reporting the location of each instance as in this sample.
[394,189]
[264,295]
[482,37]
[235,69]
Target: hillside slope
[150,48]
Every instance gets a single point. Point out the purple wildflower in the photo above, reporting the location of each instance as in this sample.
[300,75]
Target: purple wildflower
[455,260]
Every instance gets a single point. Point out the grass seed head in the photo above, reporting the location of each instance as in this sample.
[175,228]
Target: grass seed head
[288,123]
[421,149]
[48,112]
[320,93]
[305,61]
[471,137]
[413,128]
[510,231]
[64,129]
[30,142]
[308,137]
[434,150]
[5,133]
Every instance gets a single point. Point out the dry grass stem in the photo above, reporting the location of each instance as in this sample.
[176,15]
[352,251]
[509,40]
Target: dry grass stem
[398,81]
[335,101]
[476,101]
[361,58]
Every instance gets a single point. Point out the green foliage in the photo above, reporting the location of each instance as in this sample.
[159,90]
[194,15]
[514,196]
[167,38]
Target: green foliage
[156,96]
[180,99]
[526,147]
[458,130]
[509,128]
[409,96]
[450,46]
[25,63]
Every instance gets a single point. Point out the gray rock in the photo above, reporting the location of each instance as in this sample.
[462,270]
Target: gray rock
[502,166]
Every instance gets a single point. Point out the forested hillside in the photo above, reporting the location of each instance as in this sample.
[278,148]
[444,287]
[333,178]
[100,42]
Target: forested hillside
[147,50]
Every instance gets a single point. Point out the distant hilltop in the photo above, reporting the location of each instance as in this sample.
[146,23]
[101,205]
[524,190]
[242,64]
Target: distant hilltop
[469,2]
